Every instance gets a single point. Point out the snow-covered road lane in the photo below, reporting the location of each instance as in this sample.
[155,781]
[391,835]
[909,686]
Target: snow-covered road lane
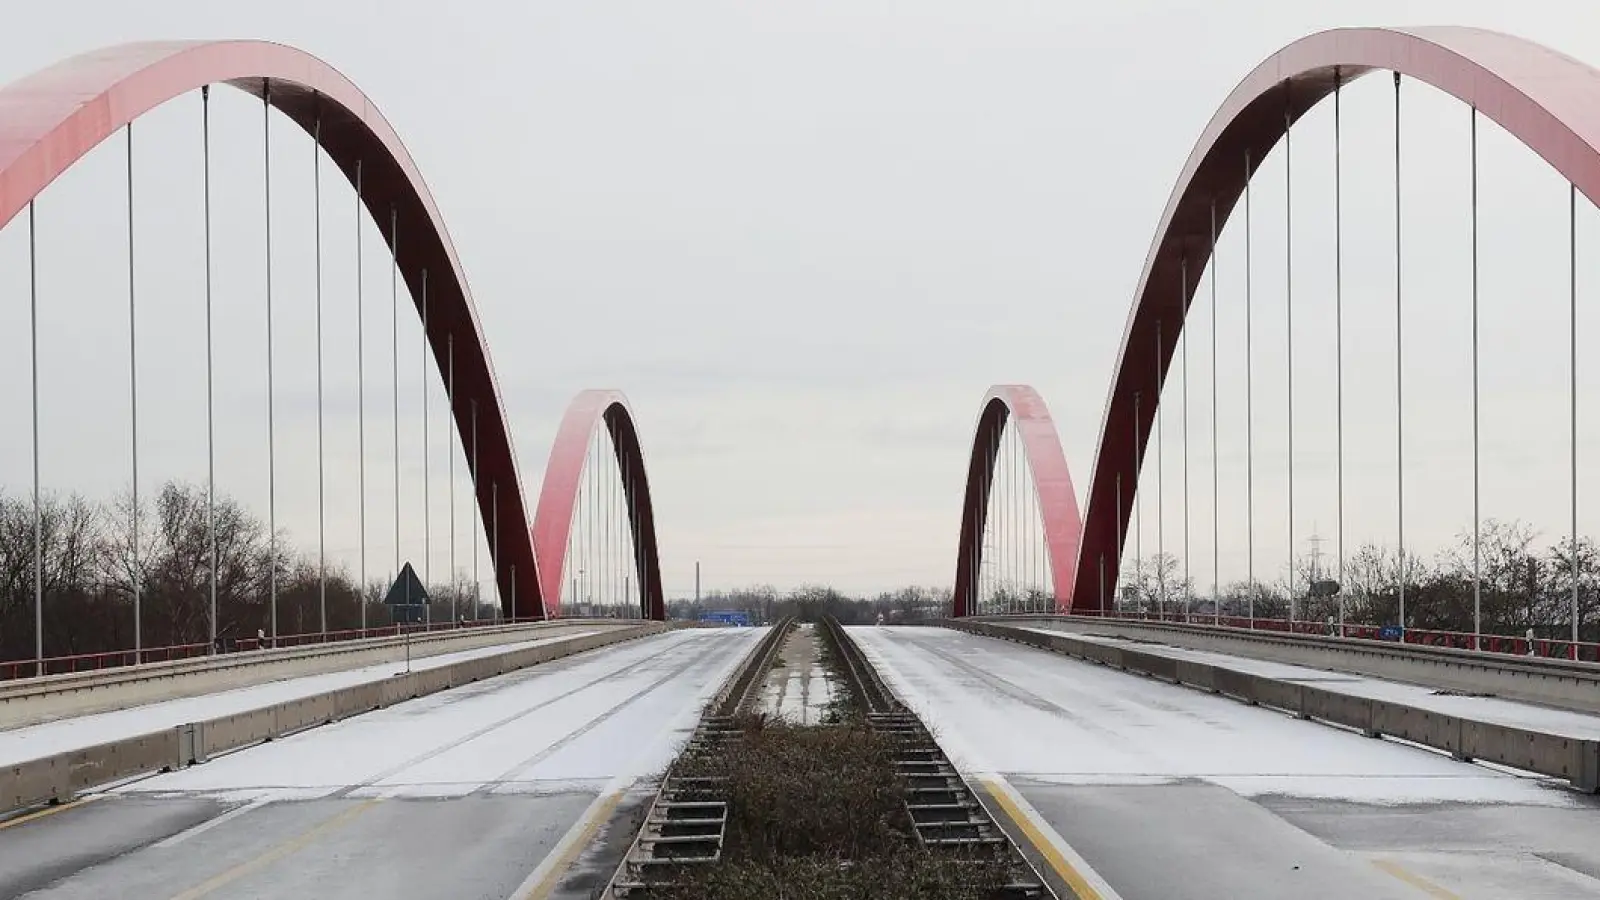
[1168,792]
[460,794]
[62,735]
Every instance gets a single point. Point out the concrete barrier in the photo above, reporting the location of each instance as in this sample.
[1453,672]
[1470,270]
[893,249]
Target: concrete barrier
[58,778]
[1557,683]
[1562,756]
[30,701]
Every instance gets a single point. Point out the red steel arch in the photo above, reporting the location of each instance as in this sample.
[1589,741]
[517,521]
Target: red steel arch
[1058,501]
[1548,100]
[50,119]
[552,525]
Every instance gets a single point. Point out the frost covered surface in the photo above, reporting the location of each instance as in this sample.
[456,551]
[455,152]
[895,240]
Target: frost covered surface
[998,707]
[1486,709]
[574,724]
[798,689]
[49,738]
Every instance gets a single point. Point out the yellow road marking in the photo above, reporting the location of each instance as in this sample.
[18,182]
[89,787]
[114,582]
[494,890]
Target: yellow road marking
[1083,881]
[47,811]
[543,880]
[1417,881]
[275,854]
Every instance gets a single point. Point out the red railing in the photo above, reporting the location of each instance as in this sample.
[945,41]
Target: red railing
[86,662]
[1549,648]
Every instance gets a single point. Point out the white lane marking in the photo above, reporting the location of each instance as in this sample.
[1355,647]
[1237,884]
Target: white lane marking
[211,823]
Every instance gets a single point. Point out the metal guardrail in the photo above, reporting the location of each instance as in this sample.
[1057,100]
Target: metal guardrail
[1558,683]
[1562,756]
[117,659]
[59,777]
[20,688]
[1552,649]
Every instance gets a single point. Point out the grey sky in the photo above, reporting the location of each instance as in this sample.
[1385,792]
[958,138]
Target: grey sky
[805,238]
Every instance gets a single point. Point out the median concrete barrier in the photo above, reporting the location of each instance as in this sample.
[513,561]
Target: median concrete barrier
[1557,683]
[1562,756]
[60,777]
[30,701]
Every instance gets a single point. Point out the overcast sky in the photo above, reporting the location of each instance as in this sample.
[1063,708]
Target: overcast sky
[805,238]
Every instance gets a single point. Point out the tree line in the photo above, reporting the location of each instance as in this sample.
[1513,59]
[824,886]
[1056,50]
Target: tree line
[90,569]
[809,603]
[1523,583]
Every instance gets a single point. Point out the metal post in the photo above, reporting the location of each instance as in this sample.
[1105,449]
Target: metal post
[697,581]
[1216,517]
[272,459]
[361,401]
[211,443]
[1399,373]
[1338,328]
[1249,412]
[322,520]
[38,512]
[1288,306]
[133,403]
[1477,552]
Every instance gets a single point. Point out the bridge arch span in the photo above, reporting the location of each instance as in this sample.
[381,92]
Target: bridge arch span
[51,119]
[1022,406]
[589,412]
[1546,99]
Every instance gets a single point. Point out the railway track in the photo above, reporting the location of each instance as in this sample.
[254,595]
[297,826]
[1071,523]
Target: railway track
[686,825]
[687,821]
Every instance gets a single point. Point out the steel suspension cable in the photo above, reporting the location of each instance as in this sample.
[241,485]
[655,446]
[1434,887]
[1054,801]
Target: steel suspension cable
[1572,306]
[272,451]
[1338,329]
[1138,505]
[361,405]
[1288,308]
[211,442]
[1399,371]
[394,359]
[477,551]
[450,436]
[322,523]
[1183,339]
[1249,409]
[1161,484]
[133,406]
[1216,494]
[427,496]
[38,511]
[1477,527]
